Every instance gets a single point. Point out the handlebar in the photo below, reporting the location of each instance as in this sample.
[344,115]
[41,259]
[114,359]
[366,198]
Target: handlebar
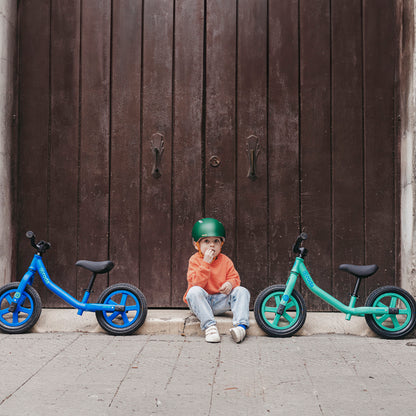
[31,236]
[297,249]
[41,246]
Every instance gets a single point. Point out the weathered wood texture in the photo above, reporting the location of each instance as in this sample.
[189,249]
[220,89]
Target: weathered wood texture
[299,93]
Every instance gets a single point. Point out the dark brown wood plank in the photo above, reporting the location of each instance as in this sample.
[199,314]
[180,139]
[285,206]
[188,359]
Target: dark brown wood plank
[186,169]
[156,235]
[34,28]
[251,209]
[64,144]
[283,132]
[347,143]
[125,141]
[315,141]
[94,152]
[220,124]
[380,146]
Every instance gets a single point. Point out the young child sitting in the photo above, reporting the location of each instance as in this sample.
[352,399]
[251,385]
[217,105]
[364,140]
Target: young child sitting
[214,284]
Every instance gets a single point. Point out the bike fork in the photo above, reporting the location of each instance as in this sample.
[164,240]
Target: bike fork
[290,284]
[26,280]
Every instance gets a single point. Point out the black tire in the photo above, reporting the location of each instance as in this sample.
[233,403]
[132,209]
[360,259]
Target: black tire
[265,312]
[27,311]
[392,326]
[122,323]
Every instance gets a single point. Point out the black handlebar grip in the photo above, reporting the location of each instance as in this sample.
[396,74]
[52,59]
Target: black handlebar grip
[302,237]
[31,235]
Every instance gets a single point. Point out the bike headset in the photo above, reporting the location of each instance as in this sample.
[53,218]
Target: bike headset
[207,227]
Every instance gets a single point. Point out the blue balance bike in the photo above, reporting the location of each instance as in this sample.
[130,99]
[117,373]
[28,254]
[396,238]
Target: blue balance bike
[280,310]
[121,308]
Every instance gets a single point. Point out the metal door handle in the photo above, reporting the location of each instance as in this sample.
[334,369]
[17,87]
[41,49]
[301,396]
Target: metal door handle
[253,150]
[158,147]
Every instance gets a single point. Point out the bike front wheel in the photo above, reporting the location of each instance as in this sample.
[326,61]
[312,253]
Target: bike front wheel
[279,325]
[395,325]
[134,314]
[27,311]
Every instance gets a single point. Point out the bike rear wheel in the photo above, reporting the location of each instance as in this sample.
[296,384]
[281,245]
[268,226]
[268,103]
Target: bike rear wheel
[274,324]
[27,311]
[392,326]
[134,315]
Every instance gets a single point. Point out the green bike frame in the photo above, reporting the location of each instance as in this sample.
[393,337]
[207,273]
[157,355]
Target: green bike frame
[299,268]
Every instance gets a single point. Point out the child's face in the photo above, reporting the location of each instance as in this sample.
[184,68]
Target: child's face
[210,243]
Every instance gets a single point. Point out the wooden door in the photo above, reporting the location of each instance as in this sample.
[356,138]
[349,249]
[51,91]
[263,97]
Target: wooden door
[138,117]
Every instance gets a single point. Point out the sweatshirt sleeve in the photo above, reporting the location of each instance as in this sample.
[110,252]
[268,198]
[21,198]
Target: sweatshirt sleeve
[232,275]
[198,273]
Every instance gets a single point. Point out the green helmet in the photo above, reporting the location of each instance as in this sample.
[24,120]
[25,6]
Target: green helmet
[207,227]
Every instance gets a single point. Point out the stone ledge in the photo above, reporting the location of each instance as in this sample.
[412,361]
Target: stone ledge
[183,322]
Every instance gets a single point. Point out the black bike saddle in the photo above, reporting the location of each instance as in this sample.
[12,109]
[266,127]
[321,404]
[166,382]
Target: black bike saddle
[96,266]
[359,271]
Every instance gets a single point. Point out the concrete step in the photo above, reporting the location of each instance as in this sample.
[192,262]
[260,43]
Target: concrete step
[183,322]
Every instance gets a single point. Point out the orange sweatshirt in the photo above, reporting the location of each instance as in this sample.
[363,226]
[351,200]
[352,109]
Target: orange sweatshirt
[211,276]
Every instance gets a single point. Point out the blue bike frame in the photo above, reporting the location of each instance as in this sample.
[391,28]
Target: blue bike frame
[299,268]
[38,266]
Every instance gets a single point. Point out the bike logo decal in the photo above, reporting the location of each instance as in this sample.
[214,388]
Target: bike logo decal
[44,276]
[285,298]
[17,295]
[309,279]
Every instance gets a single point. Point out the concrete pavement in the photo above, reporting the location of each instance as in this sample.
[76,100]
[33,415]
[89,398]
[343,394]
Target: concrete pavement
[76,373]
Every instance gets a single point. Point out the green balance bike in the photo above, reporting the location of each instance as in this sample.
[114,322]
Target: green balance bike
[280,310]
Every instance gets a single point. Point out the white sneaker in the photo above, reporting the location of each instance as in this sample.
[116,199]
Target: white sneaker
[212,335]
[238,333]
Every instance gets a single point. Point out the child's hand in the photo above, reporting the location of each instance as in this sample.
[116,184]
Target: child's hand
[226,288]
[209,255]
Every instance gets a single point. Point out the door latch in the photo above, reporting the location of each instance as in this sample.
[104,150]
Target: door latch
[253,150]
[158,147]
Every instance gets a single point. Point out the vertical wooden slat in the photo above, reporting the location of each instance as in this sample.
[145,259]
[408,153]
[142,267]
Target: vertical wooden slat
[64,141]
[220,129]
[34,26]
[315,140]
[251,210]
[94,148]
[283,131]
[379,73]
[125,141]
[347,142]
[156,235]
[186,169]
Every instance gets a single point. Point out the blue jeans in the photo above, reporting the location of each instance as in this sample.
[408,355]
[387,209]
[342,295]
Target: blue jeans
[205,306]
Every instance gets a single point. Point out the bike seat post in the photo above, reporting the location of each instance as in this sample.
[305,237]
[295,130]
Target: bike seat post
[87,292]
[354,297]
